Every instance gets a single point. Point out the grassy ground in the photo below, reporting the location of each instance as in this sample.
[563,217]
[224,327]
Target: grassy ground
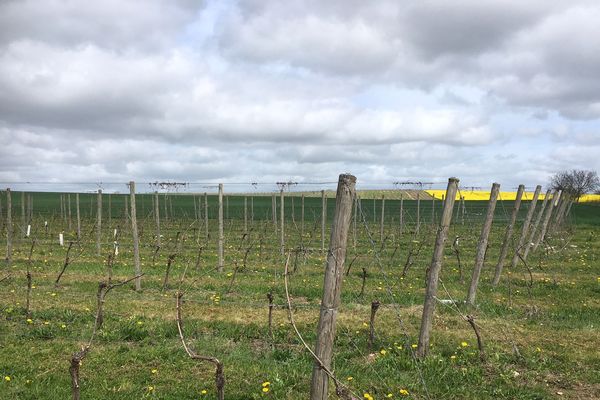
[540,330]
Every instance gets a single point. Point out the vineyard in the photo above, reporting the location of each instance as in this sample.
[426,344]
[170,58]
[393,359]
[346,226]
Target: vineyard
[229,291]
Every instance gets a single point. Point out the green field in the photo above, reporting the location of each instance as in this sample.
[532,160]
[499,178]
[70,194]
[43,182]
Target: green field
[540,327]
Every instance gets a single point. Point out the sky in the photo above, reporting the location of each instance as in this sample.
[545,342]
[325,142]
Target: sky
[268,91]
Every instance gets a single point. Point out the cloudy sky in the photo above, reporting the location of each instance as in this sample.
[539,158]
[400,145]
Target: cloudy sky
[242,91]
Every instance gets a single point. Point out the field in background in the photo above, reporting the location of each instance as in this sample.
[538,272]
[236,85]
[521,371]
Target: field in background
[540,327]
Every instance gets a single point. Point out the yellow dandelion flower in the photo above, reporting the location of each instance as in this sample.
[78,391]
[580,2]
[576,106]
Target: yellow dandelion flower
[7,378]
[150,388]
[404,392]
[349,378]
[383,352]
[154,371]
[203,391]
[29,321]
[265,389]
[464,344]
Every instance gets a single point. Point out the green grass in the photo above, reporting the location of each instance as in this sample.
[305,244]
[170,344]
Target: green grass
[553,321]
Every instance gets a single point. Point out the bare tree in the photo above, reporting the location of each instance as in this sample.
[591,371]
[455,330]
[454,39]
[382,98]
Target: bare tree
[575,182]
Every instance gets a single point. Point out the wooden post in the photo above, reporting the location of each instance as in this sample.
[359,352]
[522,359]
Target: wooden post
[136,240]
[508,234]
[29,208]
[382,218]
[157,217]
[536,224]
[109,209]
[98,222]
[551,205]
[251,210]
[9,228]
[323,217]
[482,245]
[462,210]
[246,214]
[78,215]
[565,200]
[221,238]
[435,268]
[524,231]
[332,286]
[281,217]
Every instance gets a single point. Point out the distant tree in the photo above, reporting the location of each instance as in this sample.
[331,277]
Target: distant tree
[576,182]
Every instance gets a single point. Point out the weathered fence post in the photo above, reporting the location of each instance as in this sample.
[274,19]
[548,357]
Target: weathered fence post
[9,228]
[77,211]
[323,217]
[157,217]
[432,210]
[221,238]
[281,219]
[23,227]
[98,222]
[109,210]
[462,210]
[482,245]
[538,220]
[508,233]
[551,205]
[524,232]
[136,240]
[434,269]
[332,286]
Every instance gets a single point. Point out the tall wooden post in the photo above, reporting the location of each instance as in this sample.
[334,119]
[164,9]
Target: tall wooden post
[482,245]
[508,233]
[435,268]
[136,240]
[221,238]
[23,226]
[462,210]
[281,219]
[551,206]
[323,217]
[536,224]
[99,222]
[78,216]
[157,217]
[524,232]
[9,228]
[332,285]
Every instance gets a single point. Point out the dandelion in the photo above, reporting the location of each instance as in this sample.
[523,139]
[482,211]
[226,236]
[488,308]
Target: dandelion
[266,383]
[265,389]
[229,274]
[349,378]
[203,392]
[7,378]
[414,346]
[464,344]
[383,352]
[404,392]
[29,321]
[63,326]
[368,396]
[389,395]
[46,323]
[140,323]
[154,371]
[453,357]
[150,388]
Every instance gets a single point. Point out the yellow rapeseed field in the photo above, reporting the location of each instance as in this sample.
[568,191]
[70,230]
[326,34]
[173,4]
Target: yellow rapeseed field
[485,195]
